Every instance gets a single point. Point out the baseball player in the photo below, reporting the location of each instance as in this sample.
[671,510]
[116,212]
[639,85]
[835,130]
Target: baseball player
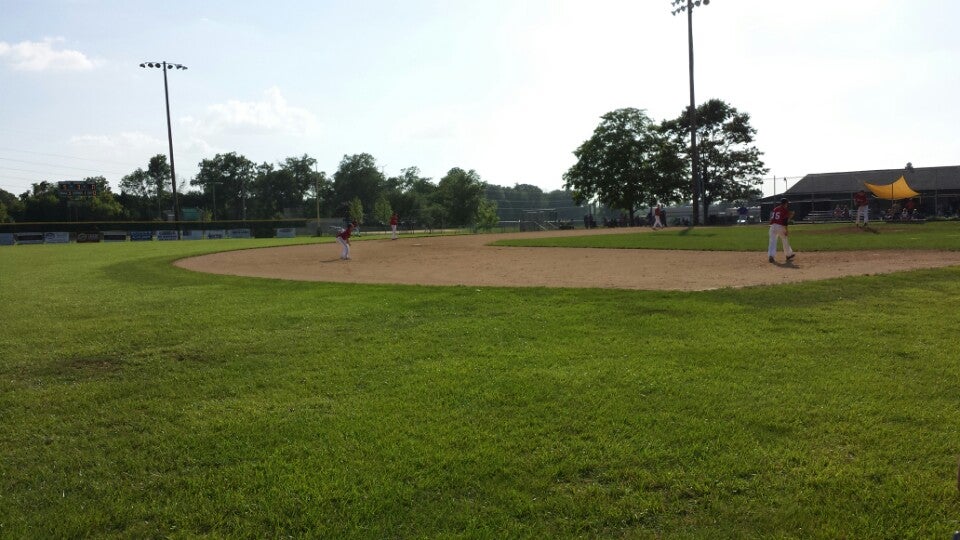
[343,238]
[779,219]
[394,219]
[657,214]
[863,207]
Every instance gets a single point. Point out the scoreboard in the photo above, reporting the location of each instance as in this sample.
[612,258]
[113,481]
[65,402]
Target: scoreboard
[72,189]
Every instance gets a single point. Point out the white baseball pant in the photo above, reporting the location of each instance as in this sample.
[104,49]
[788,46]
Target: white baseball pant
[778,231]
[865,212]
[345,251]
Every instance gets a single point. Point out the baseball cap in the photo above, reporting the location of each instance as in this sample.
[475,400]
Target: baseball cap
[784,200]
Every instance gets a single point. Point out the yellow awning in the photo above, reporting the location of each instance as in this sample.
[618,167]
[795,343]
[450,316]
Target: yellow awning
[895,191]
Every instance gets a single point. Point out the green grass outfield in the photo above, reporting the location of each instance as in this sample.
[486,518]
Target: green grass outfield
[139,400]
[936,235]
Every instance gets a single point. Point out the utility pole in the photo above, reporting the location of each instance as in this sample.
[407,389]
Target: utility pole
[696,185]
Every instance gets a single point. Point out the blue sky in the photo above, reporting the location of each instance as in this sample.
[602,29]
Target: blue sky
[508,88]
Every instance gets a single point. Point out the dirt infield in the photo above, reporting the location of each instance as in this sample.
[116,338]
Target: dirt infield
[468,260]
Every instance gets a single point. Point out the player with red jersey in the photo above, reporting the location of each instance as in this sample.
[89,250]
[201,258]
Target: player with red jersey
[394,220]
[343,238]
[863,207]
[779,219]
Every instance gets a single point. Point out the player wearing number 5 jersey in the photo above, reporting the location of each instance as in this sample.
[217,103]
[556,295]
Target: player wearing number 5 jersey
[779,219]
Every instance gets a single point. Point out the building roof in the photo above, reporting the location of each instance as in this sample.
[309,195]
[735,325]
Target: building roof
[920,179]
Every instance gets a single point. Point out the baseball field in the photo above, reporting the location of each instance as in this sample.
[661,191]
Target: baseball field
[204,389]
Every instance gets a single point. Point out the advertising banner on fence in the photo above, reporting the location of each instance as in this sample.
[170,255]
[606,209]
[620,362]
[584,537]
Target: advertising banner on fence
[167,235]
[29,237]
[216,234]
[115,236]
[191,234]
[6,239]
[287,232]
[239,233]
[87,237]
[141,236]
[56,238]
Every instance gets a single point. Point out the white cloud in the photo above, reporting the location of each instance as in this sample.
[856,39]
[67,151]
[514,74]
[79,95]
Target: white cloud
[272,114]
[127,147]
[444,123]
[42,56]
[125,140]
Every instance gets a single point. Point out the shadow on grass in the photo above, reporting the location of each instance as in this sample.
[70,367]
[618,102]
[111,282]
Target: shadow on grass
[854,289]
[155,271]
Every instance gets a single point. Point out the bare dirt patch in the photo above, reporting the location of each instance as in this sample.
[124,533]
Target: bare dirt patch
[468,260]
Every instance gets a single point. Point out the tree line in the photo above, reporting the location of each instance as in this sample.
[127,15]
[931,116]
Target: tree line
[632,162]
[231,187]
[629,163]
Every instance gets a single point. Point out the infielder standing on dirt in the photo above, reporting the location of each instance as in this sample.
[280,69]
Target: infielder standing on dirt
[394,220]
[779,219]
[343,238]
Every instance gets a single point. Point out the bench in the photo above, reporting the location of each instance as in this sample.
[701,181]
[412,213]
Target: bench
[822,216]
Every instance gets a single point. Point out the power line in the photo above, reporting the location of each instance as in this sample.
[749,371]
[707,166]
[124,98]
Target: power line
[101,171]
[125,164]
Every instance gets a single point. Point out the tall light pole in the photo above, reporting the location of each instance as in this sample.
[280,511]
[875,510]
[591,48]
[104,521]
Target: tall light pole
[679,6]
[166,93]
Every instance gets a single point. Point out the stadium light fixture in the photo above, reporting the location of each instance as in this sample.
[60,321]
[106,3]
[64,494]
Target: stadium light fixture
[166,93]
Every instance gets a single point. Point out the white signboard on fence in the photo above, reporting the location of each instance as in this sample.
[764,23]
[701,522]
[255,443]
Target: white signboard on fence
[287,232]
[56,238]
[216,234]
[6,239]
[141,236]
[192,234]
[167,235]
[239,233]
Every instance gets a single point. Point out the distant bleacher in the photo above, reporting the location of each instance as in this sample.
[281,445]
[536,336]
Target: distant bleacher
[823,216]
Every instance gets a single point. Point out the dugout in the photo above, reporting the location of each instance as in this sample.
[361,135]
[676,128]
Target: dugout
[938,188]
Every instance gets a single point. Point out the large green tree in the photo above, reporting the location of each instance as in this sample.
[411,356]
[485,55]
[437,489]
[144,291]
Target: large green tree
[730,164]
[231,175]
[12,207]
[410,193]
[159,175]
[42,203]
[358,177]
[7,202]
[144,192]
[102,207]
[323,201]
[284,187]
[459,194]
[487,217]
[627,163]
[382,210]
